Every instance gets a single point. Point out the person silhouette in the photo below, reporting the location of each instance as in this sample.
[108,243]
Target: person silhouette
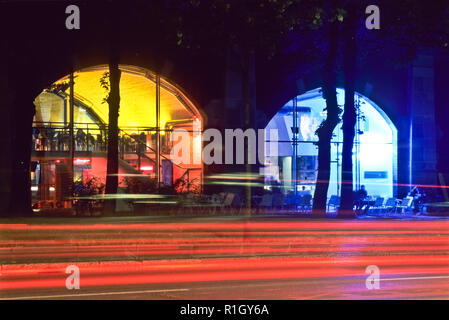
[361,195]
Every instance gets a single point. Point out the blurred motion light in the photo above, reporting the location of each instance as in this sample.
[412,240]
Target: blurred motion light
[81,162]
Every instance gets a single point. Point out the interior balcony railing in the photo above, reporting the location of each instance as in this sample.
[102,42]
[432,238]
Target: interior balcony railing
[55,137]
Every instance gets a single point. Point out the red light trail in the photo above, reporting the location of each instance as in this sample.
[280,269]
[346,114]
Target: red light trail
[34,257]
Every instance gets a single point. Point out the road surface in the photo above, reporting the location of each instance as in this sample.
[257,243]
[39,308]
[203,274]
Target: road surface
[224,258]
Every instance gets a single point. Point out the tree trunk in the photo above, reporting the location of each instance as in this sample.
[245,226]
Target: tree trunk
[113,131]
[327,127]
[22,114]
[19,77]
[20,122]
[349,118]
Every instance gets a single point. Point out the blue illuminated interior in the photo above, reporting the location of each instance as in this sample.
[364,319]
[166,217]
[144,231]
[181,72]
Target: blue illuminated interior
[374,153]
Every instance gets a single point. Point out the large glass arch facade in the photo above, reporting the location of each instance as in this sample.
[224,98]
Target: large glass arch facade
[144,144]
[374,152]
[137,99]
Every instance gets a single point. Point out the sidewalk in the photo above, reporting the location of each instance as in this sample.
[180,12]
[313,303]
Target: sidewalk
[404,216]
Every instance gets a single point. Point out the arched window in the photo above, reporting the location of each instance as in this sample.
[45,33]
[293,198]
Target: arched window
[374,153]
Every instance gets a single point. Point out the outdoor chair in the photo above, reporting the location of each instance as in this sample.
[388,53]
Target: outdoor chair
[186,203]
[390,205]
[222,195]
[266,202]
[211,203]
[216,198]
[378,204]
[227,201]
[291,202]
[278,200]
[200,205]
[334,201]
[306,202]
[405,204]
[237,203]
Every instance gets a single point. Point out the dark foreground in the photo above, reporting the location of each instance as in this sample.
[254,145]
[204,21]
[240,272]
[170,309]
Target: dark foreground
[224,258]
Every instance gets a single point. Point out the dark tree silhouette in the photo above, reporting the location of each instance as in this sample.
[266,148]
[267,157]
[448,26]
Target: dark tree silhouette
[113,100]
[18,89]
[316,39]
[113,131]
[326,128]
[349,115]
